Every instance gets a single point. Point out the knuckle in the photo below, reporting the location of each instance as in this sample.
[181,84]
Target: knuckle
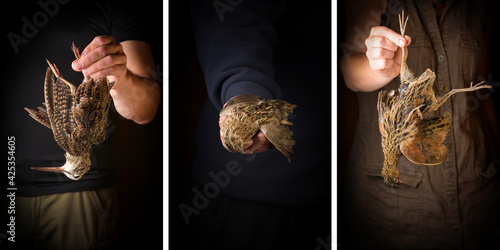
[101,51]
[378,53]
[380,41]
[99,40]
[375,53]
[109,60]
[384,63]
[378,65]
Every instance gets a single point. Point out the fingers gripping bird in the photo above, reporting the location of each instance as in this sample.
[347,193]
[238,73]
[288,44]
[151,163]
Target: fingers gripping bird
[404,129]
[77,117]
[247,114]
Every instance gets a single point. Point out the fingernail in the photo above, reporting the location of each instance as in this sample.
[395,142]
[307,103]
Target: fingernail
[79,65]
[402,42]
[75,65]
[85,71]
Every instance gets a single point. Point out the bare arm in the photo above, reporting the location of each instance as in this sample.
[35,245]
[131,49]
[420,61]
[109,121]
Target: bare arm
[136,94]
[373,53]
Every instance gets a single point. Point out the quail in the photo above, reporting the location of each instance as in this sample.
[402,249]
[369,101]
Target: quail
[247,114]
[404,129]
[77,116]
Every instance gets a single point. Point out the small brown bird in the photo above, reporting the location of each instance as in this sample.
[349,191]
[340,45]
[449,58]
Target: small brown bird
[404,129]
[247,114]
[77,117]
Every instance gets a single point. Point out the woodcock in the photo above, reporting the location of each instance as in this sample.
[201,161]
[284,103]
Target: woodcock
[77,117]
[247,114]
[404,129]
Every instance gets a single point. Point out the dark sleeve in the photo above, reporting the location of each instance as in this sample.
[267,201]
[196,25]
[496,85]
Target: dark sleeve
[235,47]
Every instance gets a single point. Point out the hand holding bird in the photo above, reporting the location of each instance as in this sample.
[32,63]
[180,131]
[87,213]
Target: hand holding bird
[77,117]
[249,125]
[404,129]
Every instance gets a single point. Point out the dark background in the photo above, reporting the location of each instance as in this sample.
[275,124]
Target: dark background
[187,93]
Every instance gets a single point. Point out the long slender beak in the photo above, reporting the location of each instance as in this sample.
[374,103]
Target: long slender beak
[51,169]
[58,170]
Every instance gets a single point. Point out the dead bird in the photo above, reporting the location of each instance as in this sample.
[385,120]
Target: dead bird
[247,114]
[76,116]
[404,129]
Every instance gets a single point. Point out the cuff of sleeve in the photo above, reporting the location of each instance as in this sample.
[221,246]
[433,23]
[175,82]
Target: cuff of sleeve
[246,87]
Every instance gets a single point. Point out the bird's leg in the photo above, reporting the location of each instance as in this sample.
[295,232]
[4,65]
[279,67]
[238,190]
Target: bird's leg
[440,100]
[55,70]
[417,110]
[78,56]
[419,113]
[75,51]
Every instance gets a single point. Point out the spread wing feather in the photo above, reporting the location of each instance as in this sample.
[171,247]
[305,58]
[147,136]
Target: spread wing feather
[280,136]
[59,100]
[40,115]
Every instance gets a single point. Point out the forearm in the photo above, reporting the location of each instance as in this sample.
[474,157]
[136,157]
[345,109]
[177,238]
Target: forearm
[358,74]
[236,53]
[136,98]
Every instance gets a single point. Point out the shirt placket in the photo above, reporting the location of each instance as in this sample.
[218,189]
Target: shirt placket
[439,35]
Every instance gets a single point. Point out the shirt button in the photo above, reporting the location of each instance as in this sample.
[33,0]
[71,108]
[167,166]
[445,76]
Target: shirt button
[451,175]
[447,115]
[453,200]
[444,88]
[456,229]
[441,58]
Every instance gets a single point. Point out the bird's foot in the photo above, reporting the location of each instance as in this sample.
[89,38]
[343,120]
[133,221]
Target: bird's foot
[55,70]
[75,51]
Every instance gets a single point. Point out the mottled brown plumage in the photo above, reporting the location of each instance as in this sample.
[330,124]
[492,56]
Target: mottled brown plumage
[77,117]
[247,114]
[405,131]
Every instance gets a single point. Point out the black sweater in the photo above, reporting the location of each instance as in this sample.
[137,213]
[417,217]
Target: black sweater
[276,50]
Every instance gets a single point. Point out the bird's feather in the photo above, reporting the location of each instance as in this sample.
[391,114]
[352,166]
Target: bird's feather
[426,146]
[58,99]
[40,115]
[280,136]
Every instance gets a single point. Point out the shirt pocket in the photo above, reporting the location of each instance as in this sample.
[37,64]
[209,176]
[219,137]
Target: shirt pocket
[395,210]
[470,52]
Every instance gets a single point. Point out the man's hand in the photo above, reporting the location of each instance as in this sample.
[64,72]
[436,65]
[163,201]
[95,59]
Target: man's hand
[103,56]
[384,51]
[130,65]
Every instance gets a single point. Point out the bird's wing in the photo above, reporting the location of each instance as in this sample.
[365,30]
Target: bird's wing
[59,101]
[426,147]
[226,110]
[40,115]
[91,111]
[243,98]
[280,136]
[384,105]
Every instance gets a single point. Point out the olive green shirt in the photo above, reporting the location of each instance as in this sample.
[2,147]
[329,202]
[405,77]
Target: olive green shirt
[452,205]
